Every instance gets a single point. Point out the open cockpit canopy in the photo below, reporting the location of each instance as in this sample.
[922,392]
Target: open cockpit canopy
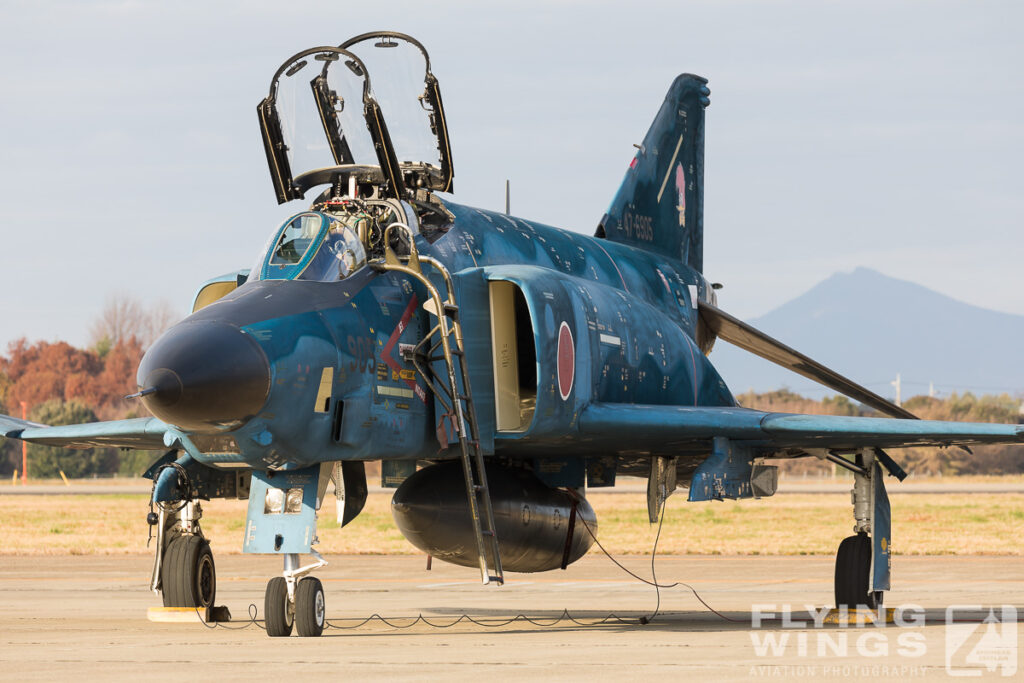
[324,123]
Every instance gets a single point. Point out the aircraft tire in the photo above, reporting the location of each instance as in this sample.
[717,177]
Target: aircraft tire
[853,571]
[188,575]
[275,607]
[310,612]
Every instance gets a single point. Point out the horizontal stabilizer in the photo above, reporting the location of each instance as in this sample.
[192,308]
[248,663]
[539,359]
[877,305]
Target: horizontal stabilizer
[143,433]
[750,339]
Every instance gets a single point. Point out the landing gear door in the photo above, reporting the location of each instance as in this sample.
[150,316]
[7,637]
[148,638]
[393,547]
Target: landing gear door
[410,98]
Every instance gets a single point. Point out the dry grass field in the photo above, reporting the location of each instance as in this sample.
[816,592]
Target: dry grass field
[791,524]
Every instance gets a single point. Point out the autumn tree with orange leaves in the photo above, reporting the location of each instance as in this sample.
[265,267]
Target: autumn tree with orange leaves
[56,379]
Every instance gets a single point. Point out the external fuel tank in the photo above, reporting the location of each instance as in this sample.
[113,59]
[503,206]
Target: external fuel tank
[531,519]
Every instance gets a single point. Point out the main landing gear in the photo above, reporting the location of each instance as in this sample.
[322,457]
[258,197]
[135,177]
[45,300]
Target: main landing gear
[853,572]
[295,599]
[856,564]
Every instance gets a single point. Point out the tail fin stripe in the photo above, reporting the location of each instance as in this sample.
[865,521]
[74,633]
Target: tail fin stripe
[671,166]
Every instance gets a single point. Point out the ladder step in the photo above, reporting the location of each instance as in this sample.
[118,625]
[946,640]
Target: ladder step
[447,390]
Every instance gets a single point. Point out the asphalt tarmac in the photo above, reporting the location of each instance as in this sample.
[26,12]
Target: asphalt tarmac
[629,485]
[83,618]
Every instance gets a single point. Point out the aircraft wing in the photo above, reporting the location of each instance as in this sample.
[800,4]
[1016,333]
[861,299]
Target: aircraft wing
[654,427]
[143,433]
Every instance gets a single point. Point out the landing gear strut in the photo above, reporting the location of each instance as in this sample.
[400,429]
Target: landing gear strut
[856,565]
[296,599]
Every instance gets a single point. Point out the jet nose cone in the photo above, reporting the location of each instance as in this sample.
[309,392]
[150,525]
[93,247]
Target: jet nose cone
[207,377]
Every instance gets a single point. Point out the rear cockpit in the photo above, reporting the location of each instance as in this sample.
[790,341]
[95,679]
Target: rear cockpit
[324,122]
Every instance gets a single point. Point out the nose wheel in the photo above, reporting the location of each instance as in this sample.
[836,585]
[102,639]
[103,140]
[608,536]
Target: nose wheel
[310,610]
[296,600]
[278,608]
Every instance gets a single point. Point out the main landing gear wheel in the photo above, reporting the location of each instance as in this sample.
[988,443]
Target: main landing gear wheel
[278,608]
[310,612]
[188,575]
[853,572]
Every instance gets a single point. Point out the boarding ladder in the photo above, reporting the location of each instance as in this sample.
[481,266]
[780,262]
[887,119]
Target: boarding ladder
[457,402]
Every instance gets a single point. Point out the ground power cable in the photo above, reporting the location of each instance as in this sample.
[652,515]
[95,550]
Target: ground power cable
[565,616]
[654,579]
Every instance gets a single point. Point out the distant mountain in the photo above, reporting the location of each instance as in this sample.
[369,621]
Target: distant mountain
[869,326]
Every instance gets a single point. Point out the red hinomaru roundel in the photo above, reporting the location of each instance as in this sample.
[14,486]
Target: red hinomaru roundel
[566,360]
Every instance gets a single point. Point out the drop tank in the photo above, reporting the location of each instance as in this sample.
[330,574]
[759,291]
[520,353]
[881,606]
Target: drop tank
[531,519]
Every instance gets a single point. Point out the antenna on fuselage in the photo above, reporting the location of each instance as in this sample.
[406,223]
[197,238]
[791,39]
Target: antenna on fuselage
[508,198]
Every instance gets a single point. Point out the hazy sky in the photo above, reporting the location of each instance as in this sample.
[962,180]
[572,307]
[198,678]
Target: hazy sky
[888,134]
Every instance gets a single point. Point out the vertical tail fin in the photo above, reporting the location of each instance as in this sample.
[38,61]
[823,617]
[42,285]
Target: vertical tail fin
[660,204]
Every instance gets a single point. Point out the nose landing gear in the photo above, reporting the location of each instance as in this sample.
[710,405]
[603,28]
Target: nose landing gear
[296,600]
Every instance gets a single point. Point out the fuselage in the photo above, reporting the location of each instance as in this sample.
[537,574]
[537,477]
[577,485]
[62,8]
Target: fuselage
[596,320]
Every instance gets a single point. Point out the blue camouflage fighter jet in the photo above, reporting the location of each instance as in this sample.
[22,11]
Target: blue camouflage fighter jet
[497,367]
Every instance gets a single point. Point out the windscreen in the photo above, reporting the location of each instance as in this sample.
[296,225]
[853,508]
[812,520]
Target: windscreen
[339,255]
[295,240]
[313,246]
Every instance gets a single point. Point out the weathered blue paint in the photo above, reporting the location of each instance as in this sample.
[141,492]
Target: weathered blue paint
[881,532]
[561,472]
[724,474]
[394,472]
[660,205]
[666,428]
[146,433]
[167,486]
[890,465]
[281,532]
[631,314]
[601,471]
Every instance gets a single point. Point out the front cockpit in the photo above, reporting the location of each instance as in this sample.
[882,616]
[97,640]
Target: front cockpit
[312,246]
[332,241]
